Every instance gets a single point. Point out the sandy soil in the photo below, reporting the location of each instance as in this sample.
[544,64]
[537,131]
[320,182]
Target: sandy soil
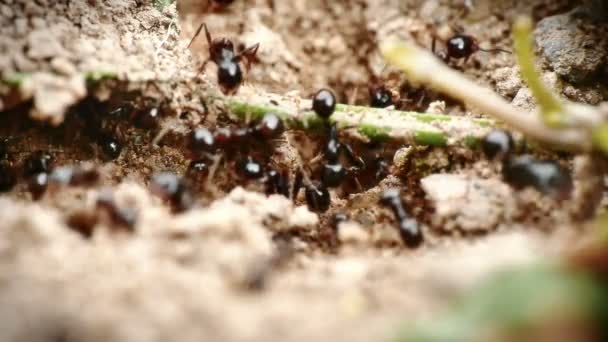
[241,266]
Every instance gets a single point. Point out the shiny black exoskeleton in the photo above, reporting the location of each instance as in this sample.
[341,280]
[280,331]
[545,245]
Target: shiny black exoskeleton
[498,144]
[277,183]
[148,118]
[324,103]
[222,53]
[202,140]
[172,189]
[547,177]
[334,173]
[460,46]
[110,146]
[317,197]
[380,97]
[37,162]
[37,185]
[251,168]
[409,229]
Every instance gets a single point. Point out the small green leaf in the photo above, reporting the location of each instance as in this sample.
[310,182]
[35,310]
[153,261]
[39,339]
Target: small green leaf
[514,301]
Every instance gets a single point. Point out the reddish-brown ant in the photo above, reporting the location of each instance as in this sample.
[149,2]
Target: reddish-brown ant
[222,53]
[460,46]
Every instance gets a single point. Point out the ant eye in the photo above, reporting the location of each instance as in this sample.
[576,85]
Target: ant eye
[324,103]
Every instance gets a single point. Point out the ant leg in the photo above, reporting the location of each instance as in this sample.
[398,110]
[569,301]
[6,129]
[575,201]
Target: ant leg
[198,31]
[202,68]
[297,184]
[350,154]
[249,55]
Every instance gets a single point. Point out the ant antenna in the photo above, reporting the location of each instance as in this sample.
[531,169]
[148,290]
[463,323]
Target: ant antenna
[198,31]
[495,50]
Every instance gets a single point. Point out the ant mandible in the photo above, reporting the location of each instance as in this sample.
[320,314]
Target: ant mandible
[222,53]
[460,46]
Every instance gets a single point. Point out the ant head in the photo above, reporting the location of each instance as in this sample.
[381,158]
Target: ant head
[461,46]
[222,48]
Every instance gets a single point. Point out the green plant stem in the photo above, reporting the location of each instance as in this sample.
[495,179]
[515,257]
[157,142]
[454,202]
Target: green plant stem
[551,108]
[423,67]
[410,128]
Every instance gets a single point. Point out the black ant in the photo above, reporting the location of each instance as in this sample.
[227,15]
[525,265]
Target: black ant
[37,168]
[204,140]
[409,229]
[222,53]
[38,162]
[380,97]
[546,176]
[110,146]
[333,173]
[498,144]
[277,183]
[324,103]
[460,46]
